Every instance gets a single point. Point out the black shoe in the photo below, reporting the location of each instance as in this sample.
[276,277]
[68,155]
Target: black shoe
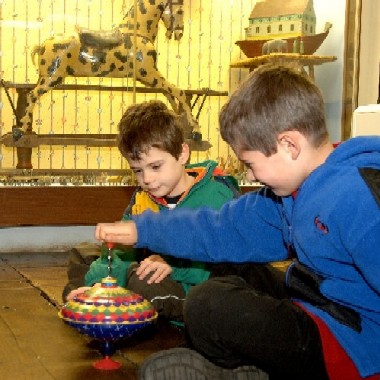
[187,364]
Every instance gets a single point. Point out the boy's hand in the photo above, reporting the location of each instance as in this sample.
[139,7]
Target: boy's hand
[80,290]
[119,232]
[155,264]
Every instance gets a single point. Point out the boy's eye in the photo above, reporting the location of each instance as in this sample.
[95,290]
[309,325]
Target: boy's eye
[156,167]
[137,171]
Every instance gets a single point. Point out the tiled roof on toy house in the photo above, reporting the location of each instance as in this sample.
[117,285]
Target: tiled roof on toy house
[274,8]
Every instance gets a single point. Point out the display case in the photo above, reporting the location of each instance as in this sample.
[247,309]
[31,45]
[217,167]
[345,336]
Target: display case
[59,109]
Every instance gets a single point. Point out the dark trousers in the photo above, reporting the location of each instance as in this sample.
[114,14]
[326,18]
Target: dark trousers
[167,296]
[247,318]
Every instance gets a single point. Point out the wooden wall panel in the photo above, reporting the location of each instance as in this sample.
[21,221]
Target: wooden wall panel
[87,205]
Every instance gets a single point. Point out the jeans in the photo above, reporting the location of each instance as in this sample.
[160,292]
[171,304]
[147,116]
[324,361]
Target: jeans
[246,317]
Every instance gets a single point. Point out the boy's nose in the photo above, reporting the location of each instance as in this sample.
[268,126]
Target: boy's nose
[250,176]
[147,178]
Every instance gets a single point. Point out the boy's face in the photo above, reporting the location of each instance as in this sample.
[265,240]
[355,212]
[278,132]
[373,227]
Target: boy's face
[277,171]
[159,173]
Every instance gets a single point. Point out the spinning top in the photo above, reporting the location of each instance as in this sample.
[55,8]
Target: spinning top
[108,312]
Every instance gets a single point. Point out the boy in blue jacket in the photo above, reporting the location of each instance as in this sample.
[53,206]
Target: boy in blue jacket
[320,205]
[151,139]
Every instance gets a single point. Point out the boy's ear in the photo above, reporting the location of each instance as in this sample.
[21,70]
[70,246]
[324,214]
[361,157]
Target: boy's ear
[289,141]
[185,154]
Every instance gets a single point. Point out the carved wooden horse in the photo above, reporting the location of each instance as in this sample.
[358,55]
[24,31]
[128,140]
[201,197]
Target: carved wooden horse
[126,51]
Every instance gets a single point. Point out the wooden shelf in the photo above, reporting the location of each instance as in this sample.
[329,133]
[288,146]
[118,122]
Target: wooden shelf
[297,59]
[304,60]
[92,87]
[25,144]
[89,140]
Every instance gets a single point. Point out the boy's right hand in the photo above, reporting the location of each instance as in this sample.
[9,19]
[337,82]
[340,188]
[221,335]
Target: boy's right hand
[124,232]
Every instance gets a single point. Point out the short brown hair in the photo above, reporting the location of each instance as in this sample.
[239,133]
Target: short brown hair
[272,100]
[149,124]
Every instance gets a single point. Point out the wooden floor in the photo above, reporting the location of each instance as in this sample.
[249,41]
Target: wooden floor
[35,344]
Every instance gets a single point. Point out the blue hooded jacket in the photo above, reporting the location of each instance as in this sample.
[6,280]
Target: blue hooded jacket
[333,225]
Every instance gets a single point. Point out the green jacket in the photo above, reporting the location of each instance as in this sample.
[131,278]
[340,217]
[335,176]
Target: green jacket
[211,188]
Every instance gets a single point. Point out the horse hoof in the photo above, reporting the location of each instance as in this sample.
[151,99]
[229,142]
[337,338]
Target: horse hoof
[17,133]
[196,136]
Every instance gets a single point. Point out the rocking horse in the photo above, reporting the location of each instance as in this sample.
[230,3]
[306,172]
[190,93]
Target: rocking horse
[126,51]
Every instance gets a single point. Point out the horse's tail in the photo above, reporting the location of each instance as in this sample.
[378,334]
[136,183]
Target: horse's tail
[36,50]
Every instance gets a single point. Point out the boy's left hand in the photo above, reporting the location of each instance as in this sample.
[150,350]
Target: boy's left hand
[155,265]
[77,291]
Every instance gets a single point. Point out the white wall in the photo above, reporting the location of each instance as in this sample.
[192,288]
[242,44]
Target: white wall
[329,76]
[41,239]
[369,52]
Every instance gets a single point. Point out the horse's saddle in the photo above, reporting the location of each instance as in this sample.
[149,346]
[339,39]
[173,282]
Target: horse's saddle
[100,39]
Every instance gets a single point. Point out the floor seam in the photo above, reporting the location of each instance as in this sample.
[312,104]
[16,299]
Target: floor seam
[29,281]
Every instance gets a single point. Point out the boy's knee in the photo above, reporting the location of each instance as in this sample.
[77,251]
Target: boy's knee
[198,300]
[133,282]
[211,297]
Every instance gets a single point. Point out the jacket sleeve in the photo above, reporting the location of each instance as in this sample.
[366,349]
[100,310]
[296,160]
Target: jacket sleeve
[140,202]
[248,229]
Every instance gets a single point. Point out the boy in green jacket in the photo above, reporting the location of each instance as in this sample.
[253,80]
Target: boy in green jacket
[152,140]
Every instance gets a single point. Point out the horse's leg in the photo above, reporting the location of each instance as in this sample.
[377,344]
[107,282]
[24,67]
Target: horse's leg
[44,84]
[156,80]
[172,100]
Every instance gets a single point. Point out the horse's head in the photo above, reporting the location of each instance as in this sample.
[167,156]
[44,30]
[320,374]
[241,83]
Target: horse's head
[173,19]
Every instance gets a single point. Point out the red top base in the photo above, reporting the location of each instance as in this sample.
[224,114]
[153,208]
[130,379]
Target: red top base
[106,364]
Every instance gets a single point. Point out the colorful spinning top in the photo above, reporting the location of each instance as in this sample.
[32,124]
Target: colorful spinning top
[108,312]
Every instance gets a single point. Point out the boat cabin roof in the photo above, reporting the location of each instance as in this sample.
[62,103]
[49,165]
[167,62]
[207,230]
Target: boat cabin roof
[273,8]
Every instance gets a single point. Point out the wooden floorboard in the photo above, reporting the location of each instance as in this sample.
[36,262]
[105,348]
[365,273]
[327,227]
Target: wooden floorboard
[36,344]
